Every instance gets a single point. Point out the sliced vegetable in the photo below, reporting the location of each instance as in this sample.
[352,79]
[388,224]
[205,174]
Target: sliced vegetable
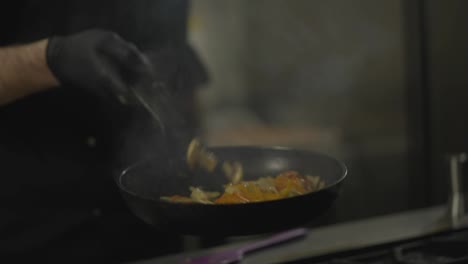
[286,184]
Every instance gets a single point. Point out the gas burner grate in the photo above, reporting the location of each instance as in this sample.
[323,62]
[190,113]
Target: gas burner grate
[448,248]
[440,250]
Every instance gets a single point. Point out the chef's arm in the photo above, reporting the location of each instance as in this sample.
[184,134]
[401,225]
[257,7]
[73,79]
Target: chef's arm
[98,61]
[24,71]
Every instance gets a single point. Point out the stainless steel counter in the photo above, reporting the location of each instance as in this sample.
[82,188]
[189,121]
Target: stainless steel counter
[337,237]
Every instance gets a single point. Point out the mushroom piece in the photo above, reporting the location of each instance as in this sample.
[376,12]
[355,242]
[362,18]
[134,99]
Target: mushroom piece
[199,157]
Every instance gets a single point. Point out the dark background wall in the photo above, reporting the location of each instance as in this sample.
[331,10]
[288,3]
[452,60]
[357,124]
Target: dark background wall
[447,78]
[323,75]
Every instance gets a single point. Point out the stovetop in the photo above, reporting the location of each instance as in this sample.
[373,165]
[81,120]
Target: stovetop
[443,248]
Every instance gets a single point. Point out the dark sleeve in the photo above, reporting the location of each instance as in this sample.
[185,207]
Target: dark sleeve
[24,21]
[9,13]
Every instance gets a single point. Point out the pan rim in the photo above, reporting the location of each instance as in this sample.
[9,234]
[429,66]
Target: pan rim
[343,168]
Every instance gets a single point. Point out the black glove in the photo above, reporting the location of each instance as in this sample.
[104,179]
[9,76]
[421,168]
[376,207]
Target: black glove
[98,61]
[179,67]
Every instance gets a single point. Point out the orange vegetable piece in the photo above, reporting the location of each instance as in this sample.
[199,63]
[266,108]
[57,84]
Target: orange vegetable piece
[246,192]
[290,180]
[180,198]
[228,198]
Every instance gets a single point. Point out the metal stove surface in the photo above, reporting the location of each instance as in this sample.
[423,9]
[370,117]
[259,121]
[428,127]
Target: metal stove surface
[443,248]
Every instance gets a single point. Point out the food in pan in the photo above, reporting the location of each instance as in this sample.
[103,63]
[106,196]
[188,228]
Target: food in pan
[200,157]
[283,185]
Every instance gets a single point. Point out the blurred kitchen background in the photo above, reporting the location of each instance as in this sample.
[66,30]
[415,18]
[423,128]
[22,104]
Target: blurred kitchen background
[378,84]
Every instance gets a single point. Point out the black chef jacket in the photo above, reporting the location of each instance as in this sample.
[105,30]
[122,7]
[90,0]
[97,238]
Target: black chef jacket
[58,149]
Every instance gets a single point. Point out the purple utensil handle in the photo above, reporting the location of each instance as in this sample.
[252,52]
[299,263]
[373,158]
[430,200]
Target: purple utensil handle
[278,238]
[236,254]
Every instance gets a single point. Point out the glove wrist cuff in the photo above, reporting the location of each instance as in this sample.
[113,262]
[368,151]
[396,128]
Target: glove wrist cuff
[53,50]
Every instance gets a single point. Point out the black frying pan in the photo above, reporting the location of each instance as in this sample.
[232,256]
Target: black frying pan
[144,183]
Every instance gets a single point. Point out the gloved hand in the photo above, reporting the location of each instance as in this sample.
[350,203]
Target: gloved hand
[98,61]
